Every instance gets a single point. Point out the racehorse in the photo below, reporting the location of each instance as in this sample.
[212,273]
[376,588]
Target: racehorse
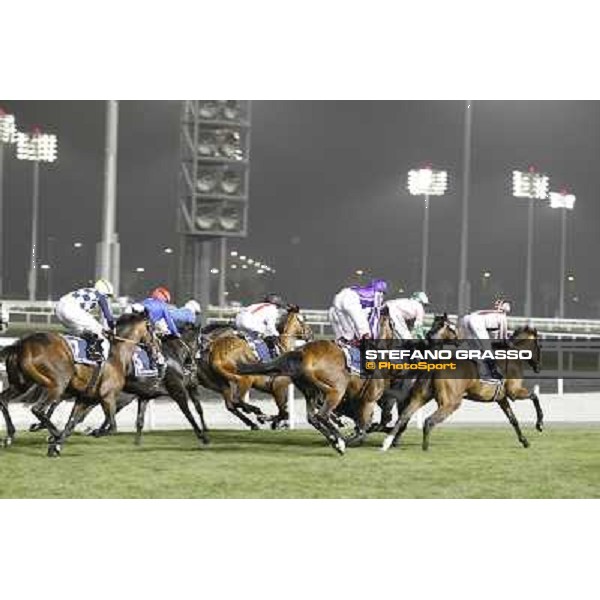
[449,392]
[319,370]
[179,383]
[45,361]
[218,369]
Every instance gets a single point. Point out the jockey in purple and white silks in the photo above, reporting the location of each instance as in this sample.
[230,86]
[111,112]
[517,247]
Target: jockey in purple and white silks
[403,310]
[356,310]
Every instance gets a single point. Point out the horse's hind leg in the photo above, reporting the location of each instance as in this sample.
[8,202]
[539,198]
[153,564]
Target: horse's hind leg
[280,390]
[180,396]
[195,396]
[232,407]
[242,388]
[140,420]
[505,406]
[40,426]
[48,398]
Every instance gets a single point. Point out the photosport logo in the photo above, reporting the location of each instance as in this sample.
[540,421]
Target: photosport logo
[533,358]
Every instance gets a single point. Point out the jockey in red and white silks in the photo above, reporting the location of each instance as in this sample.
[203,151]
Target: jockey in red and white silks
[480,324]
[356,310]
[408,309]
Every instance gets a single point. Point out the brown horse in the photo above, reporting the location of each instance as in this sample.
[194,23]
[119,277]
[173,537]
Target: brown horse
[45,361]
[449,392]
[218,371]
[319,370]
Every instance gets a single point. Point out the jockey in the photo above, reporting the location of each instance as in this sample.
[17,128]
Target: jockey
[356,310]
[408,309]
[157,306]
[74,311]
[480,324]
[260,319]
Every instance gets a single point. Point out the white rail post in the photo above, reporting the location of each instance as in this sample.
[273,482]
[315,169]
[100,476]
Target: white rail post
[291,406]
[151,417]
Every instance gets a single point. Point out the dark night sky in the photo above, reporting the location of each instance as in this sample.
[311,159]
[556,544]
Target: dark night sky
[327,194]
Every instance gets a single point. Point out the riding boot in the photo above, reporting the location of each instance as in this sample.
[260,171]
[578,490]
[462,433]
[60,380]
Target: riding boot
[271,342]
[493,369]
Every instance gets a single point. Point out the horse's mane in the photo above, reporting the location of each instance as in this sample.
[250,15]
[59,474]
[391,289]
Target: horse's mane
[130,319]
[526,329]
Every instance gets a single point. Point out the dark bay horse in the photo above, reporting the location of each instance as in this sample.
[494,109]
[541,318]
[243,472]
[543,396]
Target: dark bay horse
[450,392]
[179,383]
[218,370]
[45,361]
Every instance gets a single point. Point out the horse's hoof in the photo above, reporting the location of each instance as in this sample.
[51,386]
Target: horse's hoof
[36,427]
[525,443]
[339,446]
[387,443]
[539,427]
[54,451]
[138,441]
[6,442]
[254,427]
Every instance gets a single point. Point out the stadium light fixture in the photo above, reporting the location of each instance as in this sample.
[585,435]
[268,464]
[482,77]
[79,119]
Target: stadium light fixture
[140,269]
[426,182]
[233,253]
[8,135]
[564,201]
[531,185]
[77,245]
[37,147]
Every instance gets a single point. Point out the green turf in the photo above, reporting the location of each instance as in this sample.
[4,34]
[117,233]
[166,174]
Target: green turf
[562,462]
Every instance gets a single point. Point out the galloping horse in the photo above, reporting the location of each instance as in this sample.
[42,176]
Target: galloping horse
[219,371]
[449,392]
[179,383]
[319,370]
[44,360]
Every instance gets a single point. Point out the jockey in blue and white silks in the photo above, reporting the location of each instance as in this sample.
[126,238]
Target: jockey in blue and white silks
[356,310]
[76,309]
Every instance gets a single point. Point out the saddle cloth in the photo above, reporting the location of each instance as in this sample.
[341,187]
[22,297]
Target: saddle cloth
[258,345]
[352,354]
[78,347]
[142,364]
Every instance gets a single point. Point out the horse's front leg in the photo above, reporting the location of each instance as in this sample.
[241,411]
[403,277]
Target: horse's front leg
[522,393]
[505,406]
[55,443]
[109,408]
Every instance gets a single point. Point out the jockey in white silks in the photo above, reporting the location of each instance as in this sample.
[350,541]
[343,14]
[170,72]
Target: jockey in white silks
[356,310]
[485,325]
[260,319]
[403,310]
[76,312]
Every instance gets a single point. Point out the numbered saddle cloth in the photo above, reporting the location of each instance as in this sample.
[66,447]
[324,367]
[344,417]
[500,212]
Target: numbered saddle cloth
[78,347]
[352,354]
[142,364]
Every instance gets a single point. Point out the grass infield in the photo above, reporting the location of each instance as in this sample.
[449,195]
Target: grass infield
[463,462]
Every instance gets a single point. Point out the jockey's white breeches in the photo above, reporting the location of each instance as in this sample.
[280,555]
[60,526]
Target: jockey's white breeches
[473,327]
[401,329]
[348,318]
[75,318]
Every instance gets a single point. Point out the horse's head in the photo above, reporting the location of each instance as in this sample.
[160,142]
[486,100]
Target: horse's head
[137,327]
[293,325]
[527,337]
[386,327]
[442,329]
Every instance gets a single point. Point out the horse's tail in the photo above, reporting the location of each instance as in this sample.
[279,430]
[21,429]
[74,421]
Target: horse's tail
[289,364]
[8,351]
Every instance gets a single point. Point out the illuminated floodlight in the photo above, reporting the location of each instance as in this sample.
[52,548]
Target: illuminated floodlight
[530,184]
[231,110]
[77,245]
[571,278]
[427,182]
[234,266]
[562,200]
[209,110]
[139,269]
[244,266]
[168,250]
[214,271]
[45,267]
[8,128]
[243,257]
[486,274]
[250,261]
[231,182]
[37,146]
[230,218]
[260,271]
[207,181]
[233,253]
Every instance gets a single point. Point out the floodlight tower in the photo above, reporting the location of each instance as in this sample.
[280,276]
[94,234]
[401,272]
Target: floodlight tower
[8,135]
[213,202]
[533,186]
[37,147]
[426,182]
[565,202]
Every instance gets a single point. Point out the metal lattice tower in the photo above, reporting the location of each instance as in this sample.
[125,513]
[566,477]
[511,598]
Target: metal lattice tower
[214,184]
